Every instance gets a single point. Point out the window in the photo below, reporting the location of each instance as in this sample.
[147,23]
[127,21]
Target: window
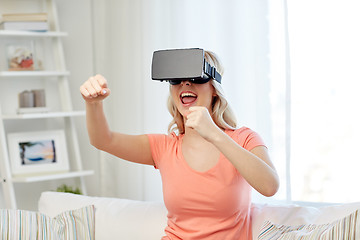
[316,111]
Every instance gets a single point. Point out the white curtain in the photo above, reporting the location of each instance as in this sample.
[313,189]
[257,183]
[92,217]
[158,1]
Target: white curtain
[314,97]
[126,34]
[324,41]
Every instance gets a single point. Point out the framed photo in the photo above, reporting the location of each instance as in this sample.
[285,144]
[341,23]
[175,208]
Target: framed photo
[38,152]
[21,56]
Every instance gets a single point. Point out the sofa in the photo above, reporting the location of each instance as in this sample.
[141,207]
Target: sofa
[116,218]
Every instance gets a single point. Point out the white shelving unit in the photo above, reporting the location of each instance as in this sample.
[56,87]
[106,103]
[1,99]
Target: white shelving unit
[29,74]
[56,75]
[8,33]
[44,115]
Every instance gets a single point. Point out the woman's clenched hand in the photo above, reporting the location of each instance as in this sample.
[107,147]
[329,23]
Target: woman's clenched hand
[95,89]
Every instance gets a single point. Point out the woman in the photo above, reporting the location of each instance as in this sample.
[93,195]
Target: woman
[207,165]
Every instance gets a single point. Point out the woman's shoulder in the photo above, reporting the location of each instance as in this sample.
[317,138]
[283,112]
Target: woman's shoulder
[171,135]
[245,137]
[239,131]
[161,144]
[162,137]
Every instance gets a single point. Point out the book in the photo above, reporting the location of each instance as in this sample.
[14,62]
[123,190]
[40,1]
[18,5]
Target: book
[23,17]
[25,26]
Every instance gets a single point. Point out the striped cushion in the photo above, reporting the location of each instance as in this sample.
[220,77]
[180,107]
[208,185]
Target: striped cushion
[69,225]
[346,228]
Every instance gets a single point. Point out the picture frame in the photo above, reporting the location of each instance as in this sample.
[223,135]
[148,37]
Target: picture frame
[36,153]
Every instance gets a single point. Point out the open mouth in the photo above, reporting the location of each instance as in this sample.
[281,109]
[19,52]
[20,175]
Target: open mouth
[188,97]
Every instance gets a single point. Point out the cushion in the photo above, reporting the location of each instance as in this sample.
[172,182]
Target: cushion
[345,228]
[293,215]
[69,225]
[123,218]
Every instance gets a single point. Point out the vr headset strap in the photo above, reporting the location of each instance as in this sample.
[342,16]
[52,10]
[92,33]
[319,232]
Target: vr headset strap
[211,72]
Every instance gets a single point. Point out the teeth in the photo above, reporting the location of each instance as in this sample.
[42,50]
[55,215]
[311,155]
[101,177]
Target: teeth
[188,95]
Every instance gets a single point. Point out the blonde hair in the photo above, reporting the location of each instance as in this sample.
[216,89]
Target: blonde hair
[221,113]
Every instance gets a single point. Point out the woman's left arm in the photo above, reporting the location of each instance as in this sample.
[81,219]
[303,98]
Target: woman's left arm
[254,165]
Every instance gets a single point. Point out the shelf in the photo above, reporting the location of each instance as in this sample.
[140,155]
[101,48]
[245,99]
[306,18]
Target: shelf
[54,78]
[43,115]
[13,33]
[34,73]
[54,176]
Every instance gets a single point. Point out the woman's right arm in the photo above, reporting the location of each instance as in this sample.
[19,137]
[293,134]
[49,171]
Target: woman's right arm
[134,148]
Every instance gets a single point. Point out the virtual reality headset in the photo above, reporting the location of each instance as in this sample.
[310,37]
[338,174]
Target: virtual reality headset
[176,65]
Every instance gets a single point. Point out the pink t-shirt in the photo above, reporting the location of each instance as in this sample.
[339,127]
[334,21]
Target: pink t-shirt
[210,205]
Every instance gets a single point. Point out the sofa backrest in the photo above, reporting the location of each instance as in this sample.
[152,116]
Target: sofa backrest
[129,219]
